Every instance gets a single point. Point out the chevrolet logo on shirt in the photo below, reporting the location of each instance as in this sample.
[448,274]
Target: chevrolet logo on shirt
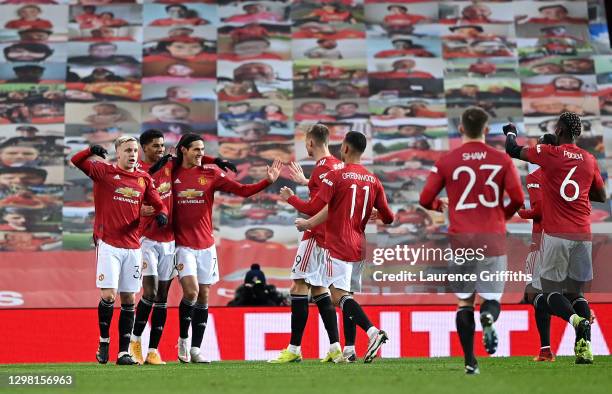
[127,192]
[191,193]
[164,188]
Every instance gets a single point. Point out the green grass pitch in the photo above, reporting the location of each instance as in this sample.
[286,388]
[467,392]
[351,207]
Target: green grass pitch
[414,375]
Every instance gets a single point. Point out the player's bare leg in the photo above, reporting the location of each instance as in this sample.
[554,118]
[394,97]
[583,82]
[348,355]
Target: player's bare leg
[143,310]
[198,324]
[105,316]
[158,320]
[190,296]
[377,337]
[466,326]
[327,310]
[126,324]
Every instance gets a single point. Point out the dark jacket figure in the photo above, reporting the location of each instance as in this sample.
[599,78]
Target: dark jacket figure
[255,291]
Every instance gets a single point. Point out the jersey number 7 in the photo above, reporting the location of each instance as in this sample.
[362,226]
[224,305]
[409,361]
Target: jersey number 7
[461,205]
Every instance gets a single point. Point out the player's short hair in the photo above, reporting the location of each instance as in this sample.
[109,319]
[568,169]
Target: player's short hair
[569,123]
[356,140]
[474,120]
[149,135]
[404,8]
[319,134]
[123,139]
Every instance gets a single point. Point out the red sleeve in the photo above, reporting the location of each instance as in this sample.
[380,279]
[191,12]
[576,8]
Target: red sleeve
[537,154]
[535,199]
[230,186]
[598,181]
[512,186]
[310,208]
[530,214]
[152,197]
[326,191]
[93,169]
[384,212]
[433,187]
[208,160]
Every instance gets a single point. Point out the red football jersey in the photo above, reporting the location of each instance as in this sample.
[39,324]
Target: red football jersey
[476,176]
[163,183]
[569,174]
[322,167]
[351,193]
[118,196]
[534,188]
[194,194]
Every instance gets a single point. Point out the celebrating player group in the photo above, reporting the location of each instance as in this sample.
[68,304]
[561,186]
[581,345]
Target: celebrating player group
[154,222]
[476,177]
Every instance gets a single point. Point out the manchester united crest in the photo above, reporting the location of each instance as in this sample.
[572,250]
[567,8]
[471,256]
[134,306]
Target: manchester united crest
[100,277]
[167,171]
[144,265]
[180,266]
[141,181]
[202,180]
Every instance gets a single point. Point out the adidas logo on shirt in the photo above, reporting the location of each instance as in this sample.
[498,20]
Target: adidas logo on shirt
[116,177]
[177,181]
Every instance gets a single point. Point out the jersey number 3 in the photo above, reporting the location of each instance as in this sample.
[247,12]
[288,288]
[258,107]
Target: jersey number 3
[461,205]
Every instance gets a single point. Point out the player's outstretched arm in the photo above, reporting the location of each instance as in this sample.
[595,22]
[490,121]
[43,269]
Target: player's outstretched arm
[159,164]
[239,189]
[309,224]
[512,148]
[219,162]
[80,161]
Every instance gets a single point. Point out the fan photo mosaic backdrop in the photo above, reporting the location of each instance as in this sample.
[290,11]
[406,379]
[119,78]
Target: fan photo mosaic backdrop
[251,76]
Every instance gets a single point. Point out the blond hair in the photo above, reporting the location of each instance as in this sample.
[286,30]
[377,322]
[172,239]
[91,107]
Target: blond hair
[123,139]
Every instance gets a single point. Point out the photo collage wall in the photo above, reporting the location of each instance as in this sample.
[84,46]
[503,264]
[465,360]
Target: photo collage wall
[252,76]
